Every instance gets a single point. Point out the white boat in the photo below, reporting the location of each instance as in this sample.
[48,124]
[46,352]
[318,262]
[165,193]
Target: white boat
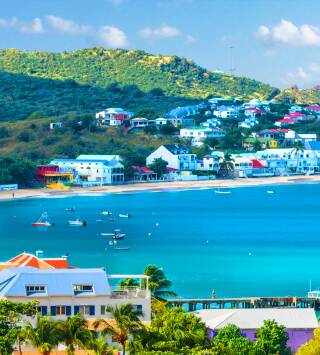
[70,209]
[107,234]
[77,222]
[271,192]
[222,191]
[106,213]
[99,220]
[43,221]
[124,215]
[121,248]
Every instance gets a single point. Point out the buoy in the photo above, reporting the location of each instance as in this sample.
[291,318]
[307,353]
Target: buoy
[157,224]
[250,254]
[149,234]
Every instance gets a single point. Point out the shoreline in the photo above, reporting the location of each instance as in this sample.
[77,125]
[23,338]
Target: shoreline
[158,187]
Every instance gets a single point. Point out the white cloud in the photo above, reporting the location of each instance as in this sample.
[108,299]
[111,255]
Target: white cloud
[112,37]
[34,26]
[164,31]
[189,39]
[67,26]
[303,77]
[287,33]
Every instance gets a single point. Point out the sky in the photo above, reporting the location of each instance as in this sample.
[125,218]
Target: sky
[275,41]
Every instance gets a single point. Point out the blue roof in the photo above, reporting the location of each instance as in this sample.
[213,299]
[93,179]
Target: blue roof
[57,282]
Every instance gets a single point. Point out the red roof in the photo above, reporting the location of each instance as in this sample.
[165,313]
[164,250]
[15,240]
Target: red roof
[170,169]
[257,110]
[26,259]
[287,120]
[295,114]
[276,130]
[314,107]
[257,164]
[142,169]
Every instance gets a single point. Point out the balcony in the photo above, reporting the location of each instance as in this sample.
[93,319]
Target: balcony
[129,292]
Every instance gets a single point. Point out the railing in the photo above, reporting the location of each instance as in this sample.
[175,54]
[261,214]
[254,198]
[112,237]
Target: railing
[129,292]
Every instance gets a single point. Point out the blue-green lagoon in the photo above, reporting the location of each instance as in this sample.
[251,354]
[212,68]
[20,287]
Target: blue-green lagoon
[244,243]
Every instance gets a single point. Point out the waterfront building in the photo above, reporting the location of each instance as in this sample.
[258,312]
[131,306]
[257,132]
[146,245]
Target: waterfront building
[66,292]
[142,173]
[209,162]
[176,155]
[201,133]
[299,322]
[113,117]
[94,169]
[248,165]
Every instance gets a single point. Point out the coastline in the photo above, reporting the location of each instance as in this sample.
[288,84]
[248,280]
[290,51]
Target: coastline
[158,186]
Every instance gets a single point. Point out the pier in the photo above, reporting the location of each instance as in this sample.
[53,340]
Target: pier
[193,304]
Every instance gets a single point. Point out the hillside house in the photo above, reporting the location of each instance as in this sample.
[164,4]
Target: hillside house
[201,133]
[113,117]
[253,112]
[177,156]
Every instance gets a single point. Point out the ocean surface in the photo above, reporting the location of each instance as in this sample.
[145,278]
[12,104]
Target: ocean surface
[246,243]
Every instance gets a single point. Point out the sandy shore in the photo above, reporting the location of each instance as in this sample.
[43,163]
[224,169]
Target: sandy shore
[158,186]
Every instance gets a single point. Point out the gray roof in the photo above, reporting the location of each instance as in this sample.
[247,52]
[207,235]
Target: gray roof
[291,318]
[177,148]
[58,282]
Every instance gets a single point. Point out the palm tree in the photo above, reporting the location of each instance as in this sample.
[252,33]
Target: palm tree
[44,336]
[74,333]
[226,165]
[158,283]
[129,283]
[125,322]
[99,345]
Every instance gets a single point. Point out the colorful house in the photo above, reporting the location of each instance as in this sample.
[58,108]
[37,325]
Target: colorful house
[54,176]
[113,117]
[299,323]
[201,132]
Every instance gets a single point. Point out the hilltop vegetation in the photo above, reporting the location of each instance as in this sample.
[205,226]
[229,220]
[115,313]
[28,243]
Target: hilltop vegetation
[299,96]
[91,79]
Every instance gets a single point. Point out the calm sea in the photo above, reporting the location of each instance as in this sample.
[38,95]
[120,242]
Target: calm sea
[240,244]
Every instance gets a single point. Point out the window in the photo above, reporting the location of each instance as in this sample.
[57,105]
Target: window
[35,289]
[82,288]
[60,310]
[85,310]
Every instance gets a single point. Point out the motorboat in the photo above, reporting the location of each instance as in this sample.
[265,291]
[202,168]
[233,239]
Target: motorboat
[118,236]
[100,220]
[124,215]
[77,222]
[121,248]
[43,221]
[112,219]
[70,209]
[106,213]
[222,191]
[271,192]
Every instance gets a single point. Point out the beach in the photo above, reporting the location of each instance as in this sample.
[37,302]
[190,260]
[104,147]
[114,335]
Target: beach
[158,186]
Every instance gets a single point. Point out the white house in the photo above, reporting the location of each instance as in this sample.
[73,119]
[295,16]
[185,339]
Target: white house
[140,122]
[66,292]
[226,112]
[177,156]
[113,116]
[253,112]
[201,133]
[211,122]
[94,169]
[249,122]
[54,125]
[209,162]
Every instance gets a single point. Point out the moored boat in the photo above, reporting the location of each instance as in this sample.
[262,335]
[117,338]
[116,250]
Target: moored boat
[70,209]
[106,213]
[79,222]
[124,215]
[43,221]
[222,191]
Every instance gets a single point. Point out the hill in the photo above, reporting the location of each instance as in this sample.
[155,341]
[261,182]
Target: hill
[299,96]
[90,79]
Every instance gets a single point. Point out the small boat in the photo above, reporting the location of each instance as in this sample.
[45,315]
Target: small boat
[43,221]
[118,236]
[222,191]
[121,248]
[107,234]
[112,219]
[124,215]
[77,222]
[70,209]
[271,192]
[106,213]
[100,220]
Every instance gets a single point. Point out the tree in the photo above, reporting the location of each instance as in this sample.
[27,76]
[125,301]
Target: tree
[125,322]
[159,166]
[11,314]
[312,347]
[229,341]
[158,283]
[168,129]
[172,331]
[271,339]
[212,142]
[226,165]
[74,333]
[44,336]
[129,283]
[99,345]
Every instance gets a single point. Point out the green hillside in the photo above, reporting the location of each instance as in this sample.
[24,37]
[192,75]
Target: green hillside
[91,79]
[299,96]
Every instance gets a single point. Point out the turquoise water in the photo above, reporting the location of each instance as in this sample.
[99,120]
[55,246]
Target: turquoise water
[245,243]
